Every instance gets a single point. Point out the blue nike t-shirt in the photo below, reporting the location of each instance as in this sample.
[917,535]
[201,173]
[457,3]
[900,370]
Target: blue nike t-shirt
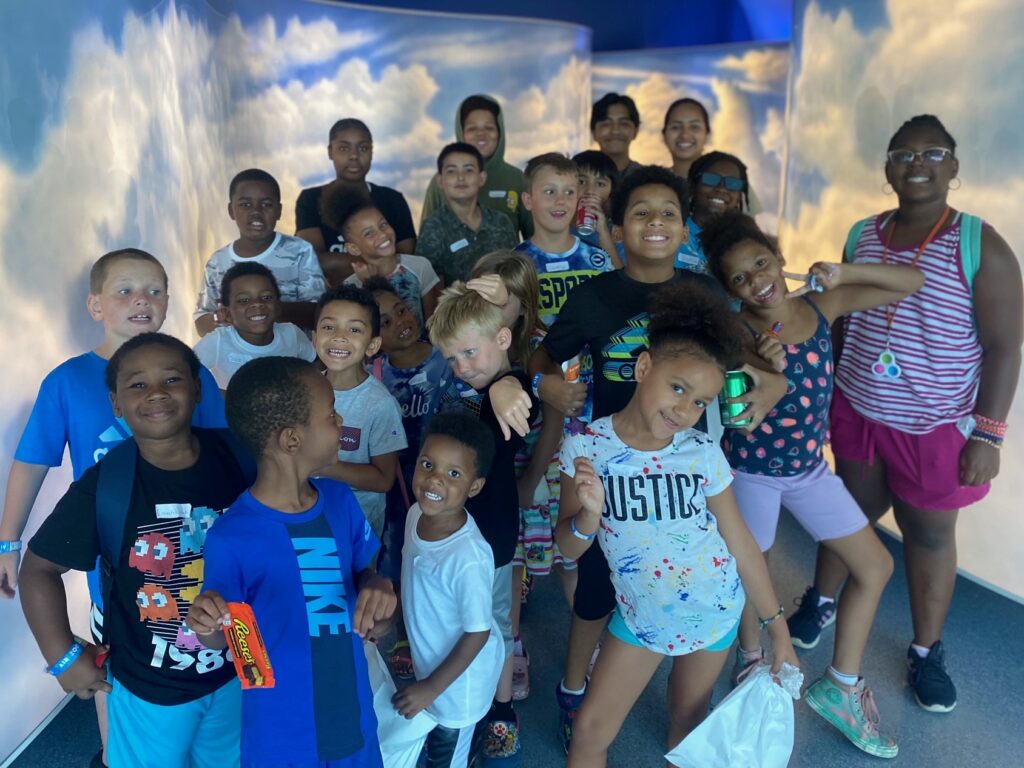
[298,572]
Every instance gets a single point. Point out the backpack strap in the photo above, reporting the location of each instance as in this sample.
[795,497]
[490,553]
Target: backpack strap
[970,245]
[114,496]
[852,237]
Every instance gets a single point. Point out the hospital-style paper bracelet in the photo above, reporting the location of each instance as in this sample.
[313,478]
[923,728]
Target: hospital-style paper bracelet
[9,546]
[762,623]
[580,534]
[67,659]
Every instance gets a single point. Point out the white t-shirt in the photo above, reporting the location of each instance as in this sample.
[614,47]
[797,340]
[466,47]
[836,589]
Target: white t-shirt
[223,351]
[372,426]
[292,260]
[676,584]
[446,592]
[413,278]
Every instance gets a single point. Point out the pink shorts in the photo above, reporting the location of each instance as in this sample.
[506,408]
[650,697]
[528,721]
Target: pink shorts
[817,499]
[921,470]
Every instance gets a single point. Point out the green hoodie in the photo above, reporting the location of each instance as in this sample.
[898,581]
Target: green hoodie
[503,190]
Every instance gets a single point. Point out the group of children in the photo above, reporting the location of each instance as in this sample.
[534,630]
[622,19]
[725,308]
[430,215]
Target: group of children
[454,423]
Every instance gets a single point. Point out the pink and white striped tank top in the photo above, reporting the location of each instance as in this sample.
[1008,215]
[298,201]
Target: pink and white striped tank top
[933,337]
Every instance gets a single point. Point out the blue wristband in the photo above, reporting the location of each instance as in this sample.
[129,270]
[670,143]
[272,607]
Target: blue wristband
[535,384]
[67,659]
[580,534]
[9,546]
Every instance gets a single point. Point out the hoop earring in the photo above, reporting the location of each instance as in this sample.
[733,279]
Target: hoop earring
[958,184]
[887,188]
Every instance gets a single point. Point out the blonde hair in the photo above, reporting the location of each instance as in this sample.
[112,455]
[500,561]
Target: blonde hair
[519,274]
[460,310]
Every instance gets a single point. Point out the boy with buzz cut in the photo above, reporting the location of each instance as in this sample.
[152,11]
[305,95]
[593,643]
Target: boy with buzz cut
[299,551]
[173,702]
[459,233]
[254,204]
[469,332]
[563,261]
[347,334]
[447,567]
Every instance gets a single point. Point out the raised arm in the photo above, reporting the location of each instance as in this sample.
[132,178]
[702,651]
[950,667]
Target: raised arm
[856,287]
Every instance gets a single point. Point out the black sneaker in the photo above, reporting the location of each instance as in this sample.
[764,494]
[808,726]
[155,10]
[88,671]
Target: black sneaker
[810,618]
[933,689]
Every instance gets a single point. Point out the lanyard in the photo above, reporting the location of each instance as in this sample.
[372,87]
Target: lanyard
[890,310]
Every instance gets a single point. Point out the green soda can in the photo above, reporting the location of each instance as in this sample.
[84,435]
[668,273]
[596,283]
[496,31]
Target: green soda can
[736,383]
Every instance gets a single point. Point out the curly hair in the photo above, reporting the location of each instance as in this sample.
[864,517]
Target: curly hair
[691,318]
[642,177]
[467,430]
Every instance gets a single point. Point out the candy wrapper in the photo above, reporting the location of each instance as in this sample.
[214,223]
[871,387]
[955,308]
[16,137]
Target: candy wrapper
[252,664]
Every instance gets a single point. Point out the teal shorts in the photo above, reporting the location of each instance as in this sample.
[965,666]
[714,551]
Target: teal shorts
[618,629]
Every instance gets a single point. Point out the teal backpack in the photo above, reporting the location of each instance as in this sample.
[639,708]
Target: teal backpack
[970,243]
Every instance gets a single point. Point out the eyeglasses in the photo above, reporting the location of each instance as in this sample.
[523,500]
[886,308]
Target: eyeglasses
[930,156]
[732,183]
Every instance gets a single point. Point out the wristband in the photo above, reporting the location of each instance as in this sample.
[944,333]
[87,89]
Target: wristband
[981,437]
[762,623]
[9,546]
[535,384]
[67,659]
[990,426]
[580,534]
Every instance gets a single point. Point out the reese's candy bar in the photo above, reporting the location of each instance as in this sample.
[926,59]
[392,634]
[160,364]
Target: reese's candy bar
[252,664]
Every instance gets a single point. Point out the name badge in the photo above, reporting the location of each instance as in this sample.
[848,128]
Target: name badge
[556,266]
[496,193]
[458,245]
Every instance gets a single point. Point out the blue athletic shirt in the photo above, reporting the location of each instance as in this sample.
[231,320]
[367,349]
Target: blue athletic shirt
[559,273]
[298,573]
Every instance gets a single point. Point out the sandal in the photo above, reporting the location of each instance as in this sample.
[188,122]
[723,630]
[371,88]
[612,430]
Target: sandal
[399,660]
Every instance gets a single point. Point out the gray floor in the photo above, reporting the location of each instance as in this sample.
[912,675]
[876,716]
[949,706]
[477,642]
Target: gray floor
[983,639]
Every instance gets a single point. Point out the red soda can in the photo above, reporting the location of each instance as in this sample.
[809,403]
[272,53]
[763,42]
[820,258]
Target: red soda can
[586,220]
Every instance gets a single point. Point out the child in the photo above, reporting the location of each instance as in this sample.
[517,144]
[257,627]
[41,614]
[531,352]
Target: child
[614,122]
[608,316]
[462,230]
[172,701]
[781,462]
[251,302]
[447,568]
[370,241]
[347,334]
[254,204]
[718,183]
[479,122]
[597,173]
[471,335]
[563,261]
[298,550]
[655,494]
[350,150]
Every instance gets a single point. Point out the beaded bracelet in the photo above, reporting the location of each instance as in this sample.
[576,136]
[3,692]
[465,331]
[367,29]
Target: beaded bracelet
[995,442]
[762,623]
[990,426]
[69,658]
[580,534]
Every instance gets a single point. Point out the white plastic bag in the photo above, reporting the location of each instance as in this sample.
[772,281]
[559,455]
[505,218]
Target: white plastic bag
[401,740]
[751,728]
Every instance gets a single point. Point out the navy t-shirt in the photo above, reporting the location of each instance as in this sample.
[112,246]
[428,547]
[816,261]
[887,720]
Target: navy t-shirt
[298,572]
[389,201]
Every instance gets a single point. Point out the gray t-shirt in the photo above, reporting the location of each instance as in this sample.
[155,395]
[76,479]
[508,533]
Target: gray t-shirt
[372,426]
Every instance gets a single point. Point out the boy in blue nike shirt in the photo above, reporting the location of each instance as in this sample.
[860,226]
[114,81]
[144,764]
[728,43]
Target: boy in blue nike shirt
[298,549]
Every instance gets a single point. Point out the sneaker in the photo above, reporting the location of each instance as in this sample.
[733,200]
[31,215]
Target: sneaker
[810,618]
[568,705]
[520,676]
[741,667]
[933,689]
[853,712]
[501,743]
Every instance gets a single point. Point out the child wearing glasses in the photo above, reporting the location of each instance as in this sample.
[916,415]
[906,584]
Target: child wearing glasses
[718,183]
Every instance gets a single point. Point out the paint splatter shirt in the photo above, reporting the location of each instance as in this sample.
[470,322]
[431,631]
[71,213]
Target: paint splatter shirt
[676,584]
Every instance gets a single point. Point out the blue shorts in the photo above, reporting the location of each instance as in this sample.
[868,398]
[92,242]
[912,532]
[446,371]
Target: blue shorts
[619,629]
[205,733]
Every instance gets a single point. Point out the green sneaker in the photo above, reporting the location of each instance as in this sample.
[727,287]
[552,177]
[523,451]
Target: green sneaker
[853,712]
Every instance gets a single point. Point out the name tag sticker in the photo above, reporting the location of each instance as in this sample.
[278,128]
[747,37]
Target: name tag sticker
[496,193]
[458,245]
[556,266]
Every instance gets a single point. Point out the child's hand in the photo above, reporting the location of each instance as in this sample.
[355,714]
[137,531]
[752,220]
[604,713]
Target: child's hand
[768,389]
[979,463]
[828,274]
[376,602]
[209,614]
[771,350]
[564,396]
[782,651]
[593,204]
[414,698]
[491,287]
[84,678]
[511,406]
[589,488]
[363,269]
[9,562]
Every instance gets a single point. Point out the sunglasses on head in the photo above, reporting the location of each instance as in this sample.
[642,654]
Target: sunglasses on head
[732,183]
[930,156]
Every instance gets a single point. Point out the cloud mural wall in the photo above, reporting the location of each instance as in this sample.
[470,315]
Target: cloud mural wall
[859,70]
